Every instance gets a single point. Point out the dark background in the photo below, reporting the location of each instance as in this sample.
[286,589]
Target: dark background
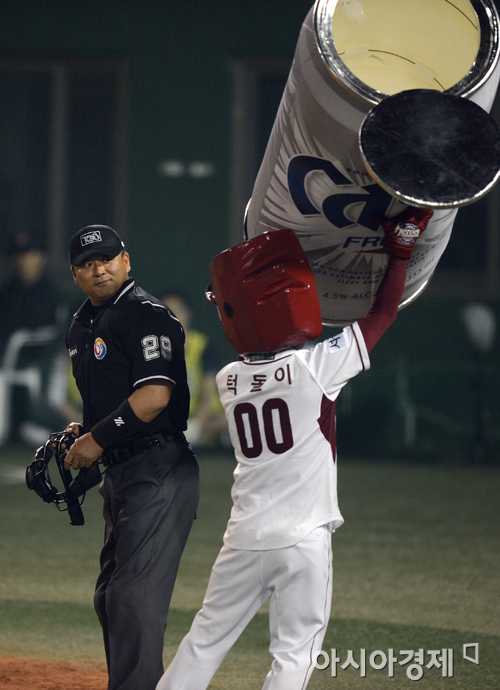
[129,113]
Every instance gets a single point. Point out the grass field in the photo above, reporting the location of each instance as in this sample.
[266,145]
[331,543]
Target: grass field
[416,565]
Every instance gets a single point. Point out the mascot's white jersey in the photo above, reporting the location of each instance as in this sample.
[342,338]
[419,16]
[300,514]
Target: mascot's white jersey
[281,415]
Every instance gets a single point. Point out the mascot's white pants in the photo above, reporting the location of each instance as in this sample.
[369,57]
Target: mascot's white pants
[299,581]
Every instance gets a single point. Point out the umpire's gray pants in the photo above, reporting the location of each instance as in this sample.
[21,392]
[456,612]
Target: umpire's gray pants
[150,502]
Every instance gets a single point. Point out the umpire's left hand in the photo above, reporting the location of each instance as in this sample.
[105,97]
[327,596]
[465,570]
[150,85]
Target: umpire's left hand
[83,453]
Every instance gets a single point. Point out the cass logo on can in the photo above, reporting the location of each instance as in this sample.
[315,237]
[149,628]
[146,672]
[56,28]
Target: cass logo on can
[100,348]
[90,237]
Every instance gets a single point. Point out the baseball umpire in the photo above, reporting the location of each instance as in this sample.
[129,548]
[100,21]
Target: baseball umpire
[280,403]
[127,352]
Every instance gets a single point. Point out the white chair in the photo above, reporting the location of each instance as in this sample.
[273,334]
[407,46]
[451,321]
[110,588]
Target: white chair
[30,377]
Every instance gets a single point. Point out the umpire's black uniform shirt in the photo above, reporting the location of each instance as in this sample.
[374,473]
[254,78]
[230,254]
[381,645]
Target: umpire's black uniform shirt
[130,341]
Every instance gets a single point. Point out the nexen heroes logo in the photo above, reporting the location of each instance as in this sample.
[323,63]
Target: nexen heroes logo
[90,237]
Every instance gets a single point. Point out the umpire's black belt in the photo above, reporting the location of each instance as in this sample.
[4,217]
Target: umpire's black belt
[115,456]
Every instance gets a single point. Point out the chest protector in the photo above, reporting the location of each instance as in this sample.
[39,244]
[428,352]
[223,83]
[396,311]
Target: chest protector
[265,292]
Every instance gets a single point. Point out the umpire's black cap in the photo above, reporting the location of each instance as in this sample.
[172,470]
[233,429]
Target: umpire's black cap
[94,239]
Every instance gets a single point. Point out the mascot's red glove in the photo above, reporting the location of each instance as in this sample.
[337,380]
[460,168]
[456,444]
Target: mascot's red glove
[401,232]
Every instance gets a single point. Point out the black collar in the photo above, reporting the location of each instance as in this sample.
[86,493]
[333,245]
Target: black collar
[87,311]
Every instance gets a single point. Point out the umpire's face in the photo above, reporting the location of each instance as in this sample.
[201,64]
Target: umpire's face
[100,277]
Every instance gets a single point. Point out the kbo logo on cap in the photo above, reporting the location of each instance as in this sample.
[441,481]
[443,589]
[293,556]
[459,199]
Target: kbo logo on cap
[90,237]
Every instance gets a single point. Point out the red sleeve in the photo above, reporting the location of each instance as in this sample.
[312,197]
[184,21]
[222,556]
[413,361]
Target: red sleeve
[385,305]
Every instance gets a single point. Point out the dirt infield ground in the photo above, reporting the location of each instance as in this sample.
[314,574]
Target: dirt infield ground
[39,674]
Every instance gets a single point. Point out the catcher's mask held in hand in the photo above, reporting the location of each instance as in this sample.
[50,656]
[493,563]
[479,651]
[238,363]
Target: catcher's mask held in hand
[38,477]
[265,292]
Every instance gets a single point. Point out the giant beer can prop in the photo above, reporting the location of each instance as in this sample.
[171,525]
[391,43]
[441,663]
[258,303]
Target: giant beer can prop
[351,56]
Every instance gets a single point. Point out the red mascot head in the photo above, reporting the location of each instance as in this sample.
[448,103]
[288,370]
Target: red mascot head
[265,292]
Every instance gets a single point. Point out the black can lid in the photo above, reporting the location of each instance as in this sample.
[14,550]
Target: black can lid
[431,149]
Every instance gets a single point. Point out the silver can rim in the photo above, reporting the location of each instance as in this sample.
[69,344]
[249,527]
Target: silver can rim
[479,73]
